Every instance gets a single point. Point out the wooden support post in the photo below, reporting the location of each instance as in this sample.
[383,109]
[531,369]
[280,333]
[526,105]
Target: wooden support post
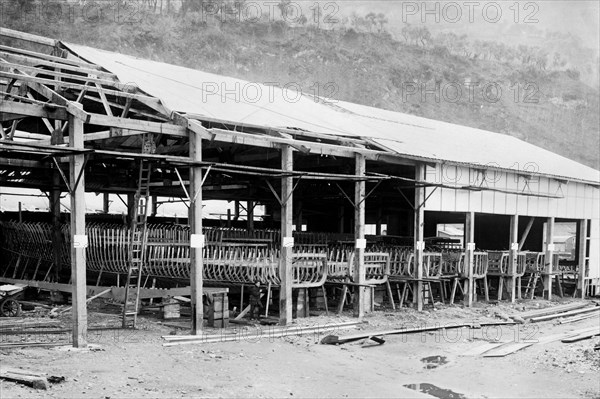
[581,256]
[549,258]
[78,237]
[470,249]
[287,241]
[154,210]
[299,217]
[378,221]
[360,243]
[56,225]
[105,203]
[419,244]
[236,210]
[197,238]
[512,259]
[250,221]
[130,208]
[341,217]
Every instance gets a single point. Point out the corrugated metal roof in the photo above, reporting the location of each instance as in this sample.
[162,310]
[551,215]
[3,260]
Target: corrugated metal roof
[191,91]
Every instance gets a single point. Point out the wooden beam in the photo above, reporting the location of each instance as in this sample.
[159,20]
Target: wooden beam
[549,257]
[104,101]
[285,263]
[48,57]
[77,86]
[470,249]
[14,34]
[134,124]
[419,243]
[56,98]
[35,110]
[36,62]
[197,238]
[581,256]
[514,250]
[267,141]
[526,232]
[37,70]
[78,237]
[363,297]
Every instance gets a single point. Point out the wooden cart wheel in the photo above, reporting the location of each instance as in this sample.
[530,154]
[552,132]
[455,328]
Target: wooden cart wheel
[10,308]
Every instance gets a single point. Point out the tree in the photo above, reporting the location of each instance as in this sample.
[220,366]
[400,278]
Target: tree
[381,21]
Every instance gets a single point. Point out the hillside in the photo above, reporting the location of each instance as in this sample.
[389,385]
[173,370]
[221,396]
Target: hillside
[548,107]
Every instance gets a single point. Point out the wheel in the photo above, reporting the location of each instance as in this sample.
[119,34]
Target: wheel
[10,308]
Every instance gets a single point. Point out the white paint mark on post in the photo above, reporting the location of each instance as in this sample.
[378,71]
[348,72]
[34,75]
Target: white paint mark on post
[197,241]
[80,241]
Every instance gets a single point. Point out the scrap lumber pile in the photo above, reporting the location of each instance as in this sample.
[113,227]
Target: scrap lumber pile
[579,311]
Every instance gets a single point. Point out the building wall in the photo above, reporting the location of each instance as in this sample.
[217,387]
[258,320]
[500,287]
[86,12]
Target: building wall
[578,200]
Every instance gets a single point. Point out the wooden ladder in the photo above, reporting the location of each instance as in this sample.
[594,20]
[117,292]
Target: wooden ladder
[137,252]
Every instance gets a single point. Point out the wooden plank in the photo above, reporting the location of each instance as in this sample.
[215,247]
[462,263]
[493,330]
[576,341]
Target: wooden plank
[481,349]
[14,34]
[582,336]
[333,339]
[552,309]
[507,349]
[36,110]
[564,314]
[106,291]
[359,236]
[578,318]
[260,333]
[195,218]
[285,263]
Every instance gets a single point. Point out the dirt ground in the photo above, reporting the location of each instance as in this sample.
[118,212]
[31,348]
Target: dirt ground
[133,364]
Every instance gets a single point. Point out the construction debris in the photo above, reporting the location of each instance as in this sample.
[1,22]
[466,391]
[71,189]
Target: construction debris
[374,335]
[254,335]
[564,314]
[30,378]
[584,334]
[551,310]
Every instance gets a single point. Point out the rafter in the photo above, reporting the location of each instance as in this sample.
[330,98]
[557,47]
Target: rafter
[48,57]
[36,62]
[26,68]
[77,86]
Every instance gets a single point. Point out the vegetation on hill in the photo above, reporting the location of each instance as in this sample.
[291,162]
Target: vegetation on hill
[526,91]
